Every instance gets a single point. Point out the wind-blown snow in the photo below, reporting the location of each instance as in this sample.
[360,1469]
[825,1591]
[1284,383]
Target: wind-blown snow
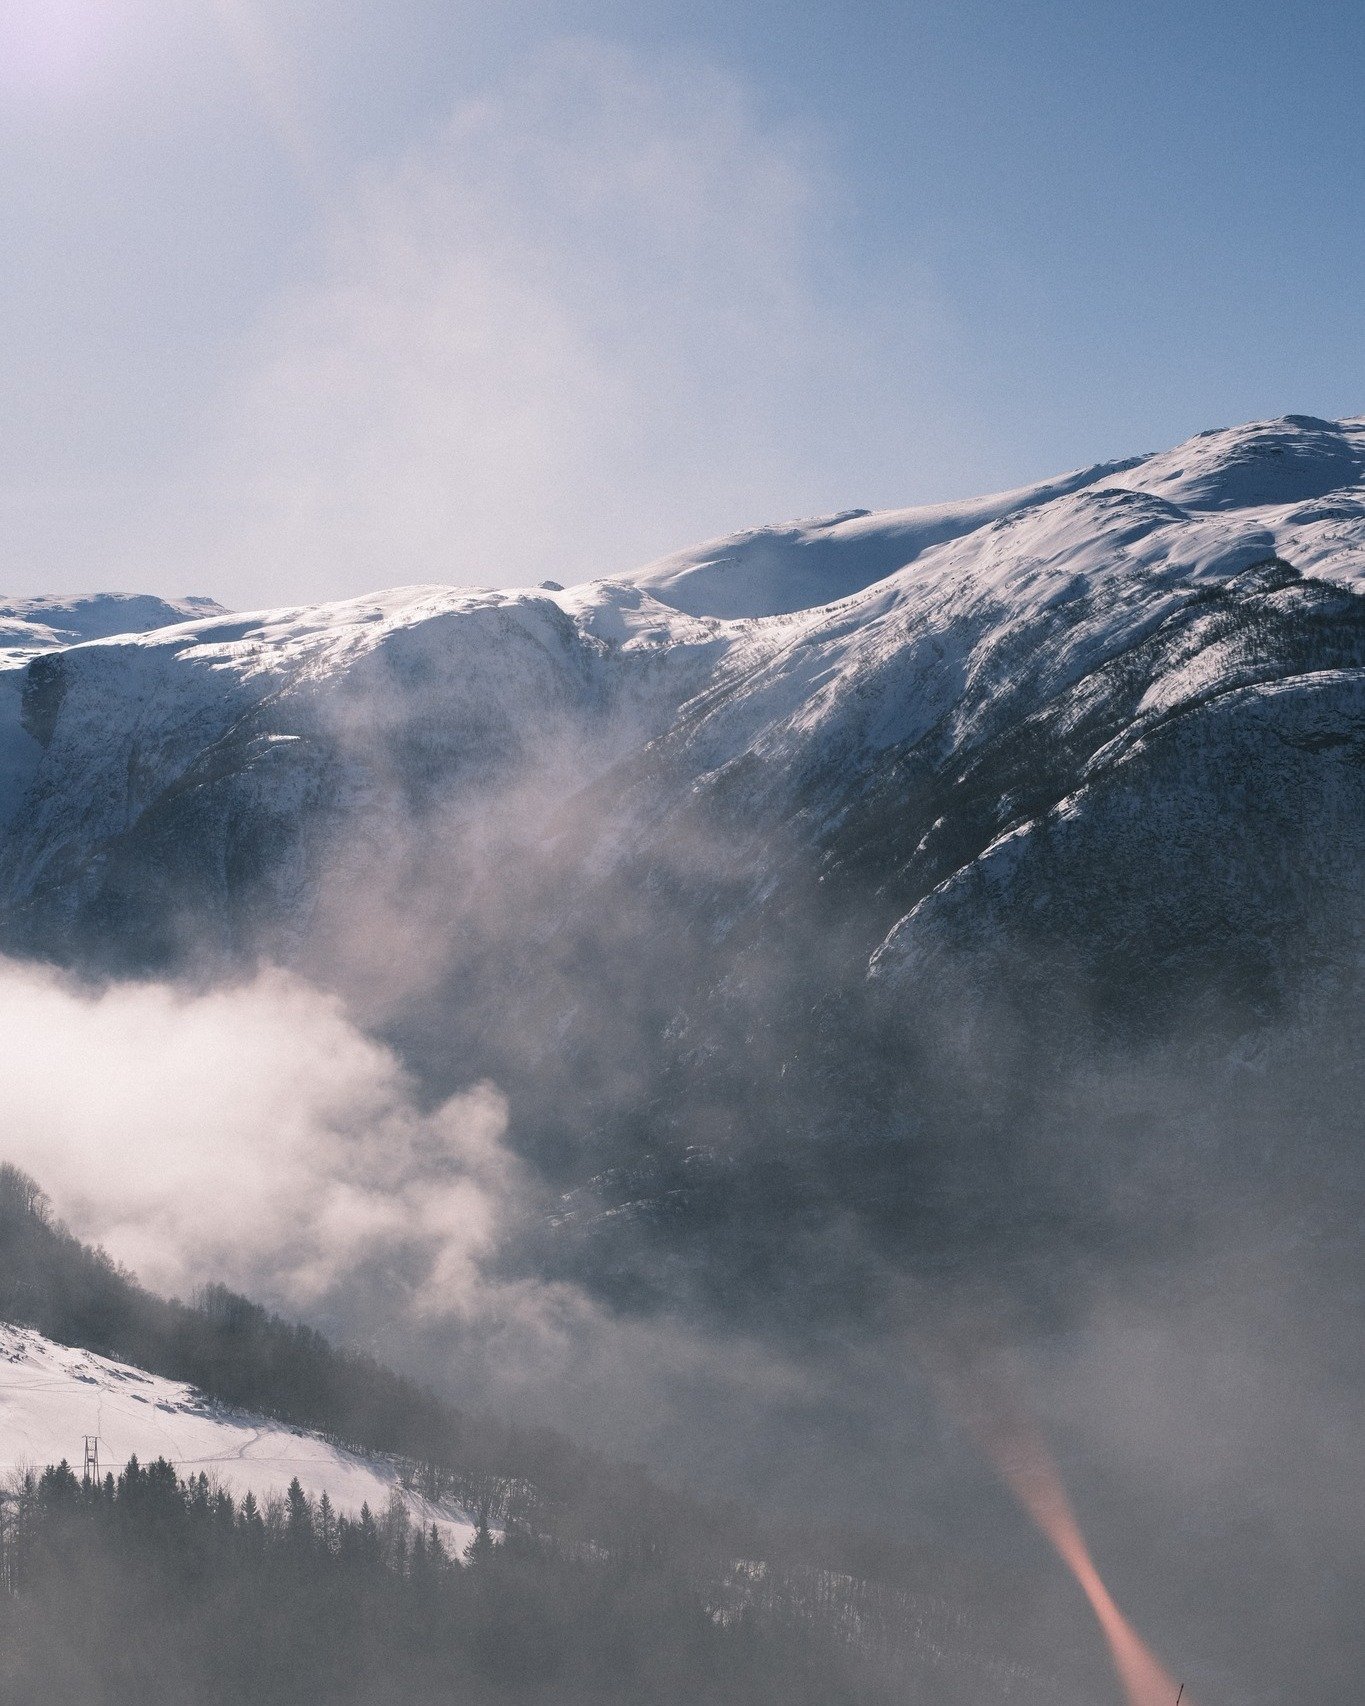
[52,1396]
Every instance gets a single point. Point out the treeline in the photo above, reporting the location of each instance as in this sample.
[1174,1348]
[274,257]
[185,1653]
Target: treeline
[599,1586]
[149,1589]
[539,1487]
[221,1343]
[233,1350]
[237,1352]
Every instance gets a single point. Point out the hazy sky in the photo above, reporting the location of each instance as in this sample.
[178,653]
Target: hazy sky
[303,297]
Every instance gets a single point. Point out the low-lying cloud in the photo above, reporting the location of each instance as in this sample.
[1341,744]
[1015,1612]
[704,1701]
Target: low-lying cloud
[249,1133]
[1201,1391]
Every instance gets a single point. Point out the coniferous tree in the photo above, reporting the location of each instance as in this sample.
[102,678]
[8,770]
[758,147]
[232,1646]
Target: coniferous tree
[298,1518]
[153,1591]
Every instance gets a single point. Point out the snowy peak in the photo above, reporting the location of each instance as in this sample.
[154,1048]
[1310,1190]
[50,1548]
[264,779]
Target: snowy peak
[34,624]
[775,571]
[1261,465]
[771,571]
[883,694]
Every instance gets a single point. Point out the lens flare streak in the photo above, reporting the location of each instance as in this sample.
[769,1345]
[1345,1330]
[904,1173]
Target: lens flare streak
[1022,1461]
[1028,1471]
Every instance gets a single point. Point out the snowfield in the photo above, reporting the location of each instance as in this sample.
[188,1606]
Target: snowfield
[29,625]
[52,1395]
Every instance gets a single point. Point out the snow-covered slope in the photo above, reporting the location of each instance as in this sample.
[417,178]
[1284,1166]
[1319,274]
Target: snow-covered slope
[977,713]
[680,860]
[289,724]
[52,1396]
[1088,707]
[38,624]
[773,571]
[29,626]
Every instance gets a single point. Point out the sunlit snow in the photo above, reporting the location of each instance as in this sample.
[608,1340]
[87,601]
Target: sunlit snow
[52,1396]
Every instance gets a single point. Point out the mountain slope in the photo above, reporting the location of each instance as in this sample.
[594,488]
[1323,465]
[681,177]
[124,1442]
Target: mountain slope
[703,866]
[52,1396]
[29,626]
[774,571]
[929,711]
[38,624]
[555,1510]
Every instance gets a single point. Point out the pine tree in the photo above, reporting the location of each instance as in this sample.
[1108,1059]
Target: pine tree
[326,1525]
[298,1522]
[480,1548]
[367,1537]
[250,1523]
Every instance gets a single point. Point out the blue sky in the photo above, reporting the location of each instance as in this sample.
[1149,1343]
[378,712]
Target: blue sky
[303,297]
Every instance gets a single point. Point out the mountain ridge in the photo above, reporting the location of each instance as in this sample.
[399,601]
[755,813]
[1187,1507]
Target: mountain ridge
[694,889]
[1082,565]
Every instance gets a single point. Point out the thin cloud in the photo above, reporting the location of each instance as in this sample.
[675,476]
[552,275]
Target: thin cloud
[250,1133]
[589,321]
[266,64]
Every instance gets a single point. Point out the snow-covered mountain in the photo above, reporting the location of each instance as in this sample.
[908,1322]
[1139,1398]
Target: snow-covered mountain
[1130,694]
[32,625]
[53,1396]
[671,856]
